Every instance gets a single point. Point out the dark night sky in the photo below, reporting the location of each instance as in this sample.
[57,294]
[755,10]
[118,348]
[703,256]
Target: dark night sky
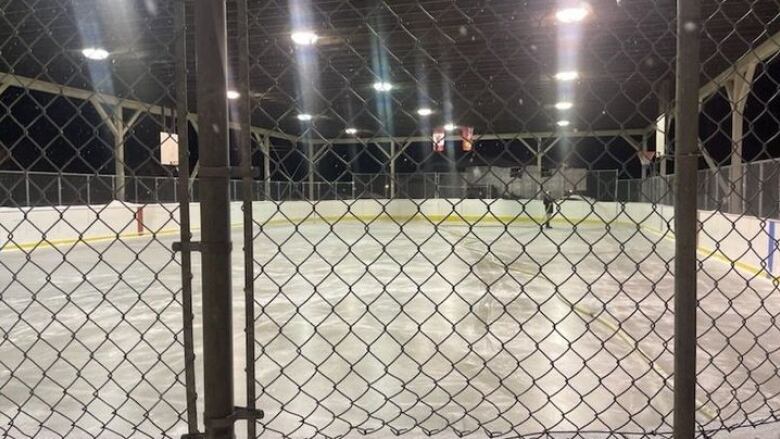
[44,132]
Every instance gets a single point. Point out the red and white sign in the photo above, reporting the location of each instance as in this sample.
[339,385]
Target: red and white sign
[439,137]
[646,157]
[468,138]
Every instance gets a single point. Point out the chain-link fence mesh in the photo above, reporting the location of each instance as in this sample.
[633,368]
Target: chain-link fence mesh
[458,217]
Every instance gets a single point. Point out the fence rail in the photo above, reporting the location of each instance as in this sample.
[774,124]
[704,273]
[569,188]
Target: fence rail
[19,188]
[760,186]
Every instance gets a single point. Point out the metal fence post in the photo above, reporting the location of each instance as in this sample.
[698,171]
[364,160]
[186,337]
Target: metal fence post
[183,197]
[685,214]
[27,187]
[211,50]
[245,150]
[59,189]
[89,195]
[760,191]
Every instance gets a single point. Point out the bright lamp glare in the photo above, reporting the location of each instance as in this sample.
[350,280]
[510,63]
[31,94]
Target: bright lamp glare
[233,95]
[383,86]
[563,123]
[424,112]
[304,117]
[571,15]
[563,106]
[449,127]
[567,76]
[95,53]
[351,131]
[304,38]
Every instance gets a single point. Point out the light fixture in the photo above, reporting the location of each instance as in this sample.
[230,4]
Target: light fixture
[95,53]
[351,131]
[449,127]
[567,75]
[572,14]
[563,123]
[563,106]
[304,117]
[383,86]
[424,112]
[233,95]
[304,37]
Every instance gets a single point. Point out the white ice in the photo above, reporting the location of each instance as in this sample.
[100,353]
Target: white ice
[389,327]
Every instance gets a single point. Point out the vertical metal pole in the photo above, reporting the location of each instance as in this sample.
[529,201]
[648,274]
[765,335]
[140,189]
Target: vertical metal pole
[644,149]
[760,191]
[267,165]
[539,155]
[211,52]
[312,167]
[89,195]
[245,149]
[392,169]
[119,153]
[27,188]
[183,195]
[685,214]
[59,189]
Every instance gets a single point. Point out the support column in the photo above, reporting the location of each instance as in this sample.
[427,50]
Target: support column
[539,156]
[312,167]
[664,108]
[211,52]
[267,165]
[392,169]
[119,154]
[644,150]
[738,91]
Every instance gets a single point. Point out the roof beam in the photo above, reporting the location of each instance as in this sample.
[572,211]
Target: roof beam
[760,54]
[483,137]
[8,79]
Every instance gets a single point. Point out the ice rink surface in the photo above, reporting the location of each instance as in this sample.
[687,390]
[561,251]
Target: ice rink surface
[391,327]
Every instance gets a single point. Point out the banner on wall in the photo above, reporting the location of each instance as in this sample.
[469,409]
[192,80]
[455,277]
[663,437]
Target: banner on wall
[467,133]
[439,137]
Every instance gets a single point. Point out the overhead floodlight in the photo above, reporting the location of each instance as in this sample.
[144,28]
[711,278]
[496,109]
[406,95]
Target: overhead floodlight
[351,131]
[304,38]
[233,95]
[424,112]
[572,14]
[304,117]
[449,127]
[95,53]
[567,75]
[563,106]
[563,123]
[383,86]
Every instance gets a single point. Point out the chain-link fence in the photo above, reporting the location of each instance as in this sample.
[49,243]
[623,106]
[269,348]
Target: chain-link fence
[761,185]
[498,218]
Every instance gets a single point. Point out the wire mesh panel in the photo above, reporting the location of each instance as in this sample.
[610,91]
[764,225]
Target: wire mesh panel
[458,218]
[91,327]
[439,300]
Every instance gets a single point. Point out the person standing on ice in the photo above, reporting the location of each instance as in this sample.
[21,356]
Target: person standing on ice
[549,209]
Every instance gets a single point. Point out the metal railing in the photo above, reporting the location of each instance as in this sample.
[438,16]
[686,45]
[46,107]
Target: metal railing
[760,184]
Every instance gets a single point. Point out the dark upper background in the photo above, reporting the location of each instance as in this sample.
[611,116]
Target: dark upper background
[487,64]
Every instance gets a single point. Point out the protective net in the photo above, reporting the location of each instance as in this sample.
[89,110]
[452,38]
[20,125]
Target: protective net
[446,217]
